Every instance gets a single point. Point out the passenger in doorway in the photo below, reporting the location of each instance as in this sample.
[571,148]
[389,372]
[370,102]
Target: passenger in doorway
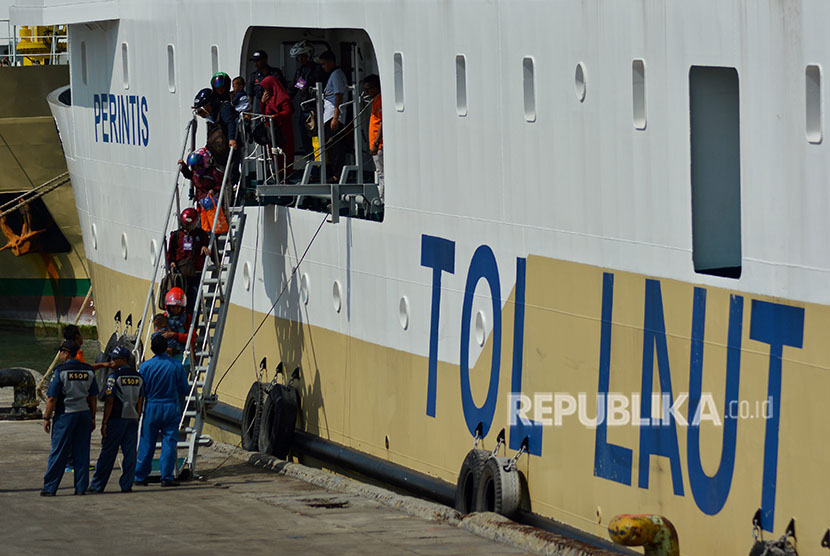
[187,248]
[222,120]
[239,98]
[371,86]
[334,119]
[308,73]
[206,177]
[119,426]
[178,323]
[263,70]
[277,103]
[71,399]
[165,387]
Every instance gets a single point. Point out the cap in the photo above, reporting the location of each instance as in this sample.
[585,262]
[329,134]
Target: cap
[69,346]
[259,55]
[120,352]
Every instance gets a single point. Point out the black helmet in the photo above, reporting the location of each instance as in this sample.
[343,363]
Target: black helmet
[202,98]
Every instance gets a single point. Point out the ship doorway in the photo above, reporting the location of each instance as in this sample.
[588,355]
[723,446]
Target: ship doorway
[337,59]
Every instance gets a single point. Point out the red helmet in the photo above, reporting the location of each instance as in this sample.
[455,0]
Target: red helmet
[176,296]
[188,217]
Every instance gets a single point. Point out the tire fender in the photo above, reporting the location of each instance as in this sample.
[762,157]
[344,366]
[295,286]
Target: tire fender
[252,416]
[279,415]
[469,477]
[499,490]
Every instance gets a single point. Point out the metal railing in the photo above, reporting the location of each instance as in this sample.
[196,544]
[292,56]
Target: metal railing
[56,41]
[161,256]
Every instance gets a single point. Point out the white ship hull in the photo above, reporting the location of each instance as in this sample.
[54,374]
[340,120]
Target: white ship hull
[585,187]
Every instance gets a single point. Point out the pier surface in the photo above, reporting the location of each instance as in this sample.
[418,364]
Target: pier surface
[238,509]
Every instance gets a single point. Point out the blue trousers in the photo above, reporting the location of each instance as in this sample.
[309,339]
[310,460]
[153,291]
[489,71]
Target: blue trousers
[70,434]
[159,416]
[121,433]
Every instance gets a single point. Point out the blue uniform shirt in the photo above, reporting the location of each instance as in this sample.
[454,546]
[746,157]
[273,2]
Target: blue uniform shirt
[125,386]
[72,383]
[165,379]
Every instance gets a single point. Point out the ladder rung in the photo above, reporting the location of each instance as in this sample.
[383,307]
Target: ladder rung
[199,383]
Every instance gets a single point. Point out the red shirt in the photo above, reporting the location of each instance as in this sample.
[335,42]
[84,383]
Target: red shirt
[187,245]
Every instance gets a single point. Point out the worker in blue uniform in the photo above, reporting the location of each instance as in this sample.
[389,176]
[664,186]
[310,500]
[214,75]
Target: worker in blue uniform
[71,400]
[165,387]
[119,427]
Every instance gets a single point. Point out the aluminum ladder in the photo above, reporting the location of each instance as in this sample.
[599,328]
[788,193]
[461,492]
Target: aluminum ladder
[204,339]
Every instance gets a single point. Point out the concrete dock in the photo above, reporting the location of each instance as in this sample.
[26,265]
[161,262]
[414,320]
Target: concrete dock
[237,509]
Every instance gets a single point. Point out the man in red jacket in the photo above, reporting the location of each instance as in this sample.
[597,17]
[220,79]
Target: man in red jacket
[186,252]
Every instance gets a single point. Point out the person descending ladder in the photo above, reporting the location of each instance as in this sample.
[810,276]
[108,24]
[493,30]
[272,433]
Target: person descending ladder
[211,310]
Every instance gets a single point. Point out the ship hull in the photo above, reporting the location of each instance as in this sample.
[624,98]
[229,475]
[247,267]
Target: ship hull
[547,257]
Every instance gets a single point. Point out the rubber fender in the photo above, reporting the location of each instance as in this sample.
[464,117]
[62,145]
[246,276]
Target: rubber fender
[279,415]
[252,416]
[499,490]
[469,478]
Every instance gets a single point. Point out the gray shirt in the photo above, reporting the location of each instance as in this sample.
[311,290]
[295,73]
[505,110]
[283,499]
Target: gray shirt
[72,383]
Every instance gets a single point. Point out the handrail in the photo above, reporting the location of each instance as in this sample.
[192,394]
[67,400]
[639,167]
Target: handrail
[208,317]
[161,255]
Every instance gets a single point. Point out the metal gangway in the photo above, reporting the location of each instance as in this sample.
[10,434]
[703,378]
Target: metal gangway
[204,337]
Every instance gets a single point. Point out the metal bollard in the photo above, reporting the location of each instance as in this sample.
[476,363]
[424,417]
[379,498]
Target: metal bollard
[25,405]
[654,533]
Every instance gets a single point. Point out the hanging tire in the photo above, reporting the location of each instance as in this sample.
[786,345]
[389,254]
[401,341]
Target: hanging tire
[279,415]
[252,416]
[499,490]
[468,480]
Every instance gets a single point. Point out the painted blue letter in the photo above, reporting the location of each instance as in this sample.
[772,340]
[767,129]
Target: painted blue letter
[484,266]
[778,326]
[96,110]
[710,493]
[521,429]
[657,439]
[611,462]
[439,255]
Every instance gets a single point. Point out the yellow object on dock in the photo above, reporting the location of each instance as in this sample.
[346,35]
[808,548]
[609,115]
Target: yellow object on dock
[654,533]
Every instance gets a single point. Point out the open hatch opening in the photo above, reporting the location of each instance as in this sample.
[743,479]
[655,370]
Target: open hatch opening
[329,149]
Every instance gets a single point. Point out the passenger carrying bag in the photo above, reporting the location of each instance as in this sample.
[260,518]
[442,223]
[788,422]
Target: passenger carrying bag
[208,213]
[172,279]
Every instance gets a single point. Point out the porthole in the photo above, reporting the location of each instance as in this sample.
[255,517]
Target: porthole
[461,85]
[304,289]
[171,68]
[124,245]
[83,62]
[481,326]
[813,103]
[125,65]
[399,97]
[403,312]
[94,236]
[153,252]
[246,276]
[336,297]
[214,58]
[580,82]
[638,90]
[529,89]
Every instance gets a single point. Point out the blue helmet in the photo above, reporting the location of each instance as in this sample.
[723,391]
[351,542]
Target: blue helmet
[202,98]
[194,158]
